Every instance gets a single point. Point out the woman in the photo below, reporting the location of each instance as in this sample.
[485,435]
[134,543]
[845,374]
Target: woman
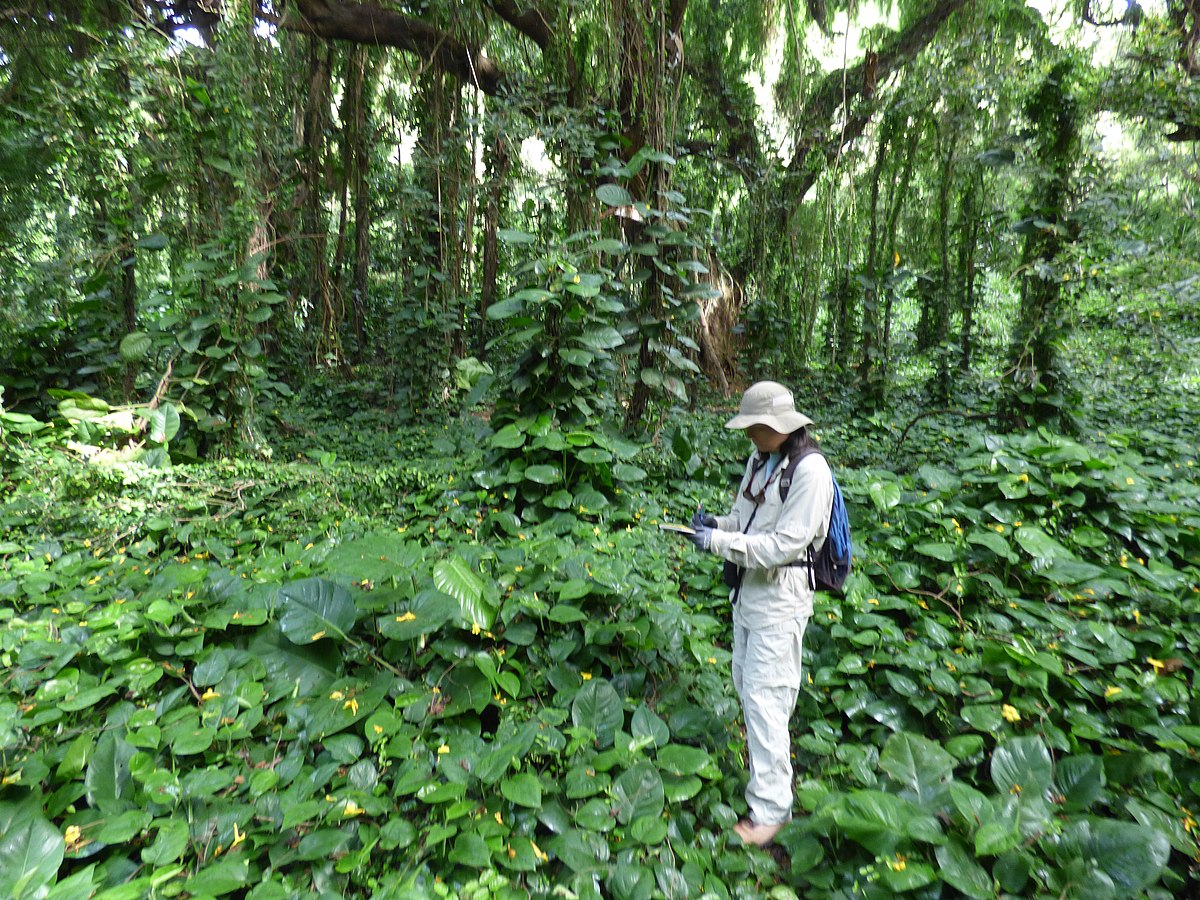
[768,539]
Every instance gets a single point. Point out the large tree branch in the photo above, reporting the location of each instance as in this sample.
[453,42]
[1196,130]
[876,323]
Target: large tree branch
[528,18]
[366,23]
[838,88]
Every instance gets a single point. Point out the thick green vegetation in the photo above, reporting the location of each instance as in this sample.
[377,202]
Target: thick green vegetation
[350,354]
[388,663]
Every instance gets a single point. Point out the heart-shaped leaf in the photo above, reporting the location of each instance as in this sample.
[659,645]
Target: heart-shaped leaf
[313,609]
[31,850]
[453,576]
[638,792]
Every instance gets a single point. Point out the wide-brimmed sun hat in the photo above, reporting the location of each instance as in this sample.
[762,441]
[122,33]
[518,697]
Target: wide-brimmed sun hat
[769,403]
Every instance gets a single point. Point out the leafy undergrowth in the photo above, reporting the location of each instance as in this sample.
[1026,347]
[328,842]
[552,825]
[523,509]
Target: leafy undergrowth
[388,677]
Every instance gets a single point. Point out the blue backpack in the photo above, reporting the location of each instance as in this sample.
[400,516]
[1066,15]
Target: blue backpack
[829,566]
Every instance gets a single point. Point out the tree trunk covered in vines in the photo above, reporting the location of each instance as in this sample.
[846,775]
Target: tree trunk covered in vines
[935,311]
[644,102]
[897,200]
[969,228]
[361,162]
[438,164]
[1034,377]
[354,196]
[498,160]
[871,337]
[316,291]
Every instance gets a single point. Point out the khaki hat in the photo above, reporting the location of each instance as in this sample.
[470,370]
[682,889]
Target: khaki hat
[769,403]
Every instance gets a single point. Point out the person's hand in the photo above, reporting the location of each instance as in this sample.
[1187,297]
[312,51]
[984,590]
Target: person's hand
[702,538]
[701,519]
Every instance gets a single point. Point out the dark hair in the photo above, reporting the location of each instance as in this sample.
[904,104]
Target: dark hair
[797,442]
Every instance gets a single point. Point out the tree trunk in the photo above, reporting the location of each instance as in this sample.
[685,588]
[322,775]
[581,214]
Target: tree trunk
[353,114]
[874,272]
[899,196]
[968,248]
[437,164]
[361,160]
[642,104]
[935,313]
[316,288]
[499,162]
[1034,377]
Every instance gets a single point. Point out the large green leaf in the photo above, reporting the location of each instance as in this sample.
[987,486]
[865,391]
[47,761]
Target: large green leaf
[638,792]
[997,543]
[613,195]
[471,850]
[314,608]
[1043,548]
[31,850]
[504,309]
[304,669]
[1130,854]
[1022,765]
[508,438]
[601,337]
[225,876]
[920,765]
[543,474]
[523,789]
[647,724]
[425,613]
[453,576]
[108,781]
[881,822]
[597,706]
[678,759]
[170,843]
[164,422]
[938,550]
[348,701]
[135,345]
[958,868]
[1080,780]
[377,557]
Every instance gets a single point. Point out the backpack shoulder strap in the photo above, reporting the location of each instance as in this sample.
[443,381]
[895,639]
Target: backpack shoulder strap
[785,480]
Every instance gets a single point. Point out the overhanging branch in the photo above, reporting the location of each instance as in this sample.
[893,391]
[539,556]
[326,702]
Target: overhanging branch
[366,23]
[528,19]
[838,88]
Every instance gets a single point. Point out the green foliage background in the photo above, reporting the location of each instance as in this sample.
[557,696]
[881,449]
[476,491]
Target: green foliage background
[341,394]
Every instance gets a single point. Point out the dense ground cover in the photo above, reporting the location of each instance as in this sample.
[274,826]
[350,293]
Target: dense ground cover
[394,662]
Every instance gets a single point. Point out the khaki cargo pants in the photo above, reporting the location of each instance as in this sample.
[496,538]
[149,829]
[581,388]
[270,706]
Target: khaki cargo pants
[766,676]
